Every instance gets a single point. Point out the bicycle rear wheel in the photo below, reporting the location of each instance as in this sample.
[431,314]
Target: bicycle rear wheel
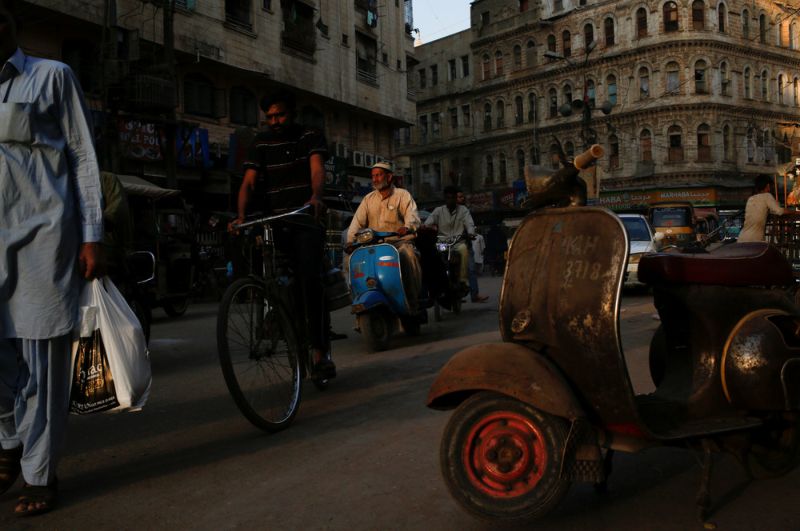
[259,355]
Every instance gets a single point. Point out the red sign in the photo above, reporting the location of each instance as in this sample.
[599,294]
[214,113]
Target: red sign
[140,140]
[505,198]
[480,201]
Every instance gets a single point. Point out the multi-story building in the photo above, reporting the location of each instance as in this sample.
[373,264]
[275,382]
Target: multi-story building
[690,99]
[198,71]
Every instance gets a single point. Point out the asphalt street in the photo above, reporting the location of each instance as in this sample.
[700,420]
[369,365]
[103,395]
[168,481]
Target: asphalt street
[361,455]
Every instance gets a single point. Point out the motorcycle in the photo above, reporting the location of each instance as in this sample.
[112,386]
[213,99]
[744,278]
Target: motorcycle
[454,289]
[376,283]
[552,403]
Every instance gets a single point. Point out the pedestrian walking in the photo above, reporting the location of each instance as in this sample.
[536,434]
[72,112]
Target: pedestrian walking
[50,226]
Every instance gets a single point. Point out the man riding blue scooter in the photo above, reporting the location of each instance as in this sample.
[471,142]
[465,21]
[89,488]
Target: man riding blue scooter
[387,209]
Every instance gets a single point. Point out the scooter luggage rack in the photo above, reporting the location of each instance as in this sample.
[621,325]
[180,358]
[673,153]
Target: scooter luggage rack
[784,233]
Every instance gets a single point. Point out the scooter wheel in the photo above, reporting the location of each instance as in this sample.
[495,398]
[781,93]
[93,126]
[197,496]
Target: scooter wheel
[501,458]
[775,450]
[376,329]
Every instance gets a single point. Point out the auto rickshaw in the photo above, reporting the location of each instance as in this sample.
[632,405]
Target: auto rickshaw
[163,228]
[675,220]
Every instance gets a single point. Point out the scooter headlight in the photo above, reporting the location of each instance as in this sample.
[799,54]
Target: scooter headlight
[441,247]
[365,236]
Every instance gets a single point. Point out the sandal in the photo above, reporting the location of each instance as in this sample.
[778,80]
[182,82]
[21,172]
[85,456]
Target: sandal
[9,467]
[42,497]
[324,369]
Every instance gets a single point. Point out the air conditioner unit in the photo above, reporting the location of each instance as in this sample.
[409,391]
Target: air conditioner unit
[358,158]
[369,159]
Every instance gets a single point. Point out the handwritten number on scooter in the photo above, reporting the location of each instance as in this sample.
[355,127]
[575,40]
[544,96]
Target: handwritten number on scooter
[577,270]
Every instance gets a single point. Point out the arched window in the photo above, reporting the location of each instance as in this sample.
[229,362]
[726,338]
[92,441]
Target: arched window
[608,29]
[780,89]
[517,56]
[704,143]
[489,169]
[698,15]
[644,82]
[751,145]
[745,24]
[551,43]
[503,174]
[566,43]
[764,85]
[795,89]
[673,78]
[724,82]
[641,22]
[670,12]
[645,146]
[520,164]
[588,35]
[762,28]
[554,159]
[726,142]
[498,62]
[501,114]
[552,103]
[746,79]
[242,107]
[611,87]
[792,35]
[566,94]
[532,108]
[780,34]
[487,116]
[535,155]
[198,95]
[530,54]
[722,14]
[590,93]
[487,68]
[700,82]
[613,152]
[675,152]
[518,112]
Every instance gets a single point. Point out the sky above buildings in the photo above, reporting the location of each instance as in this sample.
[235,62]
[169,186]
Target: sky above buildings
[439,18]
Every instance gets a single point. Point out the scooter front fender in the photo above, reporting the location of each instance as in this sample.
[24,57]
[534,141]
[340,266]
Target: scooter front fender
[509,369]
[369,300]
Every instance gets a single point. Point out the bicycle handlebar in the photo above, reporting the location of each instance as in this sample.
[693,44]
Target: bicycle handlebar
[260,221]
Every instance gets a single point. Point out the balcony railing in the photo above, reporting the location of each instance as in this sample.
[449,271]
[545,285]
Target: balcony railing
[370,76]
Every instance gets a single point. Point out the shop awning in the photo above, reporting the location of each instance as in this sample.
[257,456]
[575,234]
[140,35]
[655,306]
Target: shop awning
[137,186]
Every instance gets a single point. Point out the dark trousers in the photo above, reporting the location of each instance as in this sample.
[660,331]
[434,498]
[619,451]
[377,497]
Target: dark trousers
[304,245]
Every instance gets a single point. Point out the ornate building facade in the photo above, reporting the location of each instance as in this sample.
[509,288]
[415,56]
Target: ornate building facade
[690,98]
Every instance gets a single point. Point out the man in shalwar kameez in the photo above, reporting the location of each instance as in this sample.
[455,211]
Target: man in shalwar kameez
[50,221]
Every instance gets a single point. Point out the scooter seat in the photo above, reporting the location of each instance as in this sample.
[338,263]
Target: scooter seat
[738,264]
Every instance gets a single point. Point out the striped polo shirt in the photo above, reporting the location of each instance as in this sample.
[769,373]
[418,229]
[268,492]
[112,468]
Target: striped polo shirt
[283,168]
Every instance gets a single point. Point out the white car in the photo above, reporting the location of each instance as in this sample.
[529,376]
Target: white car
[642,240]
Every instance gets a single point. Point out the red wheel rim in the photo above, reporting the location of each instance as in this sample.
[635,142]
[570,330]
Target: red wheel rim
[504,455]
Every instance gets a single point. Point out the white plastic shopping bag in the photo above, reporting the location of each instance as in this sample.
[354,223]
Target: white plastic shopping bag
[104,308]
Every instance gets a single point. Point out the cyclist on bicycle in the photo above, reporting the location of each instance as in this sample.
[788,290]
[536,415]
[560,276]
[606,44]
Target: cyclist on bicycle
[286,161]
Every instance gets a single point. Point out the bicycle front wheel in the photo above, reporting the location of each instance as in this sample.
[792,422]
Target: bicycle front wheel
[259,355]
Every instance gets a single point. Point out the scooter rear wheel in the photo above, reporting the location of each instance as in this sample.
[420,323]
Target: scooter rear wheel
[501,458]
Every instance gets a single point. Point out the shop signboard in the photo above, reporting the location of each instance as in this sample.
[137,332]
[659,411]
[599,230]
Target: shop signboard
[480,201]
[140,140]
[624,200]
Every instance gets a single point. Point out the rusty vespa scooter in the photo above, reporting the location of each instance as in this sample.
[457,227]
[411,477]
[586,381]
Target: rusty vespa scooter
[552,402]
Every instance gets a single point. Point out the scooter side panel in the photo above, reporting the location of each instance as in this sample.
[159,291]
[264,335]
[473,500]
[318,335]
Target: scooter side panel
[562,289]
[382,263]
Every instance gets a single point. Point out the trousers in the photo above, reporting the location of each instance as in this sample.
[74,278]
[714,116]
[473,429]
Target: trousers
[35,377]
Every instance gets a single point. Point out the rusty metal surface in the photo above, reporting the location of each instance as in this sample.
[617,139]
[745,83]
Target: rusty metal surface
[509,369]
[561,290]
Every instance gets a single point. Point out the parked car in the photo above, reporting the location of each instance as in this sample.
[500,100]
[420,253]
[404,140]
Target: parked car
[642,239]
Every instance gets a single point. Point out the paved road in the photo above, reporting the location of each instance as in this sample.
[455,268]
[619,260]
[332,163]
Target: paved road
[362,455]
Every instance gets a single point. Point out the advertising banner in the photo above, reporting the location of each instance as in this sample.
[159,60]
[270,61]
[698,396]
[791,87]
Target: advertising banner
[192,145]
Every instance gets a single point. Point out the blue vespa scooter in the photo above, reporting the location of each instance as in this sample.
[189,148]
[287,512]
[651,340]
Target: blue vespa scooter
[376,282]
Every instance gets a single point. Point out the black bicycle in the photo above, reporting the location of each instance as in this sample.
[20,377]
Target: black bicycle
[263,351]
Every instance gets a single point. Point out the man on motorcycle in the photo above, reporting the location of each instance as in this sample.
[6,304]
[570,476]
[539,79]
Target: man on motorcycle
[390,209]
[453,220]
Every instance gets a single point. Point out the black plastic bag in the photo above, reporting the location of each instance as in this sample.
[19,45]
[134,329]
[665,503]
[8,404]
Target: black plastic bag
[92,382]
